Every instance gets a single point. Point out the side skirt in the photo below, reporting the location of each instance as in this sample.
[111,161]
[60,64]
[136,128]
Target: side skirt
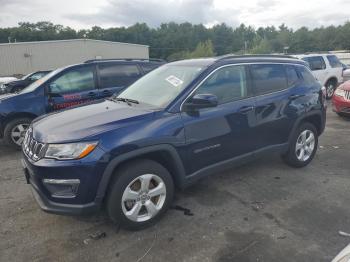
[233,162]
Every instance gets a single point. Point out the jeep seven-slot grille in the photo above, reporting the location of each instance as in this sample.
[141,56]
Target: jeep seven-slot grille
[32,148]
[347,95]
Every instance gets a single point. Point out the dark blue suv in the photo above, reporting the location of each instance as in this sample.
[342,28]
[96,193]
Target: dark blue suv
[66,87]
[182,121]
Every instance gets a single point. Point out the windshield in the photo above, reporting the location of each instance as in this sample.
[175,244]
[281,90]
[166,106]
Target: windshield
[159,87]
[37,83]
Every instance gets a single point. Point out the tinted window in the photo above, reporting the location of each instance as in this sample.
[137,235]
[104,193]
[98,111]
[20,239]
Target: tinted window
[228,84]
[292,75]
[268,78]
[334,61]
[149,67]
[118,75]
[307,77]
[315,62]
[75,80]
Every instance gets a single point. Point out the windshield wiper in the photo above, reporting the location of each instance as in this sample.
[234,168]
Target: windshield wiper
[126,100]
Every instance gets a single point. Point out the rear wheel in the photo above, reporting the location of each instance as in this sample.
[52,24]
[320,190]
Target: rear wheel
[15,131]
[331,85]
[140,194]
[303,146]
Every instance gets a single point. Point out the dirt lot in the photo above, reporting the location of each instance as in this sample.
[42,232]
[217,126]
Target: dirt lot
[264,211]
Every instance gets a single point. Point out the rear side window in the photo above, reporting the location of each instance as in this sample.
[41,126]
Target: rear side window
[334,61]
[307,78]
[315,62]
[268,78]
[148,67]
[118,75]
[292,76]
[228,84]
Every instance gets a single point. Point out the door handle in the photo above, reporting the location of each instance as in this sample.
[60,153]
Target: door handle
[246,109]
[91,94]
[295,96]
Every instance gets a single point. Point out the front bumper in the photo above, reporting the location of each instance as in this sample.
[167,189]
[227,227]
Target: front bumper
[88,172]
[340,105]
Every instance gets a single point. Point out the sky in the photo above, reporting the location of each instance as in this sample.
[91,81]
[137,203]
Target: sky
[80,14]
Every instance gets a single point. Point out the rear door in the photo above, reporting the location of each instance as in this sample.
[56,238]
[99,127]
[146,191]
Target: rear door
[274,114]
[72,87]
[115,77]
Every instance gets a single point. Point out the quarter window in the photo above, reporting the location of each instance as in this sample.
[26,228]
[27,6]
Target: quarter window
[74,81]
[268,78]
[334,61]
[118,75]
[228,84]
[292,76]
[307,77]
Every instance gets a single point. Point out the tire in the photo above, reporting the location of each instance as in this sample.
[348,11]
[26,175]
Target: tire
[331,85]
[13,127]
[148,209]
[294,157]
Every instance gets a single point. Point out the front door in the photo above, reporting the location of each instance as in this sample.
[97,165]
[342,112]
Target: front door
[226,131]
[72,87]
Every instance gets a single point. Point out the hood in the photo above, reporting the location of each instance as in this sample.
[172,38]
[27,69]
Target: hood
[6,96]
[16,82]
[87,121]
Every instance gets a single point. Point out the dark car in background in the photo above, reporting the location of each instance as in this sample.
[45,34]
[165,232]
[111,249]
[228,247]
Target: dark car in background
[18,85]
[66,87]
[181,122]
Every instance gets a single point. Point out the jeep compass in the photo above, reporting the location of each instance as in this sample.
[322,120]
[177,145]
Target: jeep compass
[182,121]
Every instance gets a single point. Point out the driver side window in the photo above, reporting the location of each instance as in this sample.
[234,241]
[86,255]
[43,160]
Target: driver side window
[74,81]
[228,84]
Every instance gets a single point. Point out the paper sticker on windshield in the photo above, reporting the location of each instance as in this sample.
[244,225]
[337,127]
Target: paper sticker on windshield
[174,80]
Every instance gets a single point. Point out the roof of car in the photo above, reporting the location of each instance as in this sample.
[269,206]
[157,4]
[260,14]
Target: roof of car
[240,59]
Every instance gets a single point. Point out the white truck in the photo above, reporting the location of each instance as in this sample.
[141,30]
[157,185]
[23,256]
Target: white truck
[326,68]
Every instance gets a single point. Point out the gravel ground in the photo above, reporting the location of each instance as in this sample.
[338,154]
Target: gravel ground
[263,211]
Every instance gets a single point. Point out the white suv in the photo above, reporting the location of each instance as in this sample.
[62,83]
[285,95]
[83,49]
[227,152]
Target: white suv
[326,68]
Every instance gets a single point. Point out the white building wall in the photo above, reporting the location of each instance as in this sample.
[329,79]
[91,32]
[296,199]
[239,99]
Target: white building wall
[24,58]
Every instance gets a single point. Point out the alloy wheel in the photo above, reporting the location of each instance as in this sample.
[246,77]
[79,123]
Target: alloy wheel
[305,145]
[18,133]
[143,198]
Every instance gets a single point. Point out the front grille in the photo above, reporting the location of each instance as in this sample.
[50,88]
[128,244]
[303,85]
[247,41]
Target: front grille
[347,95]
[32,148]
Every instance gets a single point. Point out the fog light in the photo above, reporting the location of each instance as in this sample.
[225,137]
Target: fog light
[62,188]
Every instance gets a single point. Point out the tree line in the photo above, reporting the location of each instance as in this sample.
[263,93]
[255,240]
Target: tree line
[174,41]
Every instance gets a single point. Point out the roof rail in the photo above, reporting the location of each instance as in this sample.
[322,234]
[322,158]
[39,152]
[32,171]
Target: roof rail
[125,59]
[229,56]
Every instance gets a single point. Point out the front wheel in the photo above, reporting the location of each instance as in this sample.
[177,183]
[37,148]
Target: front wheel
[15,131]
[303,146]
[140,194]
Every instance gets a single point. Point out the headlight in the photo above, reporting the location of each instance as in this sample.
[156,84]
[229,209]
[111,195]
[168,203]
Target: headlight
[70,151]
[339,92]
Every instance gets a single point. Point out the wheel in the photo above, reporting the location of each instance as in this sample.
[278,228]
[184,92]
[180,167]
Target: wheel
[15,131]
[303,146]
[331,85]
[140,194]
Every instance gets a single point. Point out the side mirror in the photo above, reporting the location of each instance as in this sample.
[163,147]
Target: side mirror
[201,101]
